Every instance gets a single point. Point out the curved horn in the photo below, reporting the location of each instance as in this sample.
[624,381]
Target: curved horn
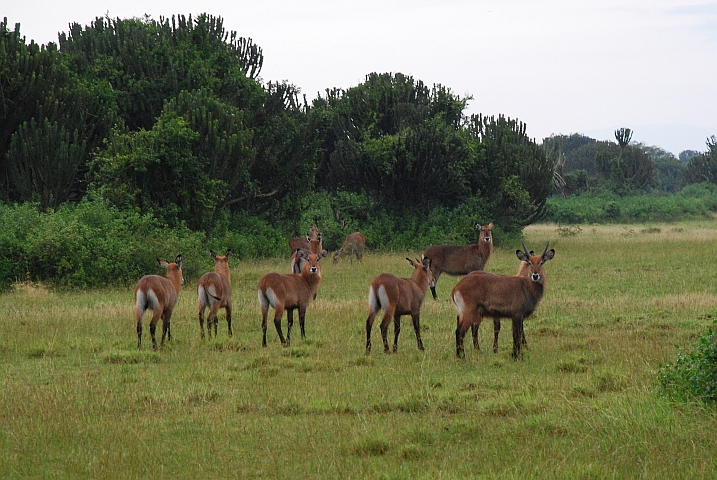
[525,249]
[545,250]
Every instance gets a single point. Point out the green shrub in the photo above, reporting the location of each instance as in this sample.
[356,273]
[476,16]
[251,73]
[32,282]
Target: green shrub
[695,201]
[693,374]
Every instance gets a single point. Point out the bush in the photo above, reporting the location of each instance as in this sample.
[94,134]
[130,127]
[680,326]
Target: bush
[693,374]
[88,245]
[695,201]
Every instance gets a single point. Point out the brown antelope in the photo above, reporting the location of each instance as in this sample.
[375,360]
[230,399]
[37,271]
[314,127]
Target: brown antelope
[460,260]
[158,294]
[289,292]
[398,297]
[215,292]
[303,243]
[482,294]
[354,244]
[496,321]
[297,262]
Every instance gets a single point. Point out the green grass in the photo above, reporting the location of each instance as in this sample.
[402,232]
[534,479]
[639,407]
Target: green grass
[78,400]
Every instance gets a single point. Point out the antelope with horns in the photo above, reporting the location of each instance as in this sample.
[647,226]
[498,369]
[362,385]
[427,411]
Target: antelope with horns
[289,292]
[158,294]
[214,291]
[398,297]
[460,260]
[482,294]
[354,244]
[304,243]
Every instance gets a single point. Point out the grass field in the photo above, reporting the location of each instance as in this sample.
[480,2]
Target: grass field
[78,400]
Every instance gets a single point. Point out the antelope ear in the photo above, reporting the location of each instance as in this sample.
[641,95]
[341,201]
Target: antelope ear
[521,256]
[162,263]
[178,261]
[549,255]
[490,226]
[228,254]
[300,253]
[323,254]
[410,262]
[477,227]
[214,255]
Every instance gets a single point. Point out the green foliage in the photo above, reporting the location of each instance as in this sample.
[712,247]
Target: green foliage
[145,62]
[193,160]
[698,201]
[50,121]
[703,168]
[88,245]
[512,173]
[396,139]
[693,373]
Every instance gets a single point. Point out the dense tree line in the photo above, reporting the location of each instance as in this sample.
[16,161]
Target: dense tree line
[170,117]
[583,165]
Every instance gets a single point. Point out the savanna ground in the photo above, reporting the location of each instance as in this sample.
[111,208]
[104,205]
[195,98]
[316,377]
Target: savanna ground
[77,400]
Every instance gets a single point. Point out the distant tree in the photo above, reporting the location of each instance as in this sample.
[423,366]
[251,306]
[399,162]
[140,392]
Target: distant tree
[625,167]
[685,155]
[668,169]
[703,167]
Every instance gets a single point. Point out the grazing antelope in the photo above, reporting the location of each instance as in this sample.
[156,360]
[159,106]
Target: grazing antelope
[304,242]
[215,292]
[289,292]
[398,297]
[354,244]
[482,294]
[460,260]
[158,294]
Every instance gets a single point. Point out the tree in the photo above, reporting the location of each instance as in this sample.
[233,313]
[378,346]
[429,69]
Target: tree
[703,167]
[512,173]
[625,167]
[394,138]
[50,121]
[144,62]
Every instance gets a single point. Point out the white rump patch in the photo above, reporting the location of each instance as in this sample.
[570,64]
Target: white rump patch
[382,297]
[373,303]
[271,297]
[459,302]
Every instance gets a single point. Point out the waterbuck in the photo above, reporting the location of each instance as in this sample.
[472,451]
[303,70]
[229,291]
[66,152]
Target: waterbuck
[158,294]
[354,244]
[303,243]
[460,260]
[398,297]
[215,292]
[289,292]
[482,294]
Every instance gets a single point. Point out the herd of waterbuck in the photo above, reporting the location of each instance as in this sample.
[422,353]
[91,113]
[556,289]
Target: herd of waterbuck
[479,294]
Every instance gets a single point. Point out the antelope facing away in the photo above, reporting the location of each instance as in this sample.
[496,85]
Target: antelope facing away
[354,244]
[214,291]
[289,292]
[158,294]
[461,260]
[398,297]
[482,294]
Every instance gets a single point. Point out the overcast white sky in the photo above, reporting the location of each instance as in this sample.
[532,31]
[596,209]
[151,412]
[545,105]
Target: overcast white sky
[559,66]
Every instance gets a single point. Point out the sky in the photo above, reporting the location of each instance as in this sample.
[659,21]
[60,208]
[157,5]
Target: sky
[561,67]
